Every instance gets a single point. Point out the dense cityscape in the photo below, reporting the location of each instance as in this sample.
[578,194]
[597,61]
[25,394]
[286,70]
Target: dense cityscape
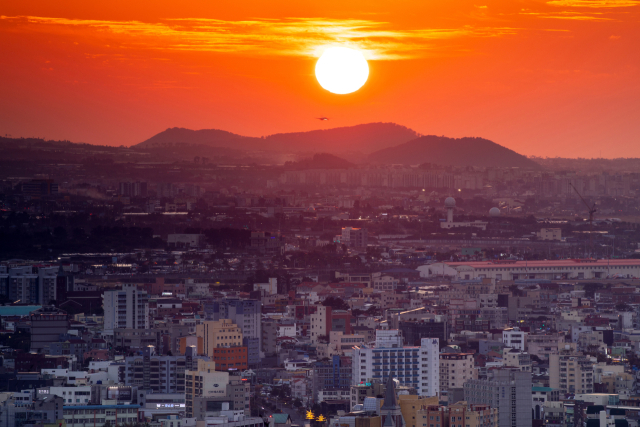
[331,296]
[320,214]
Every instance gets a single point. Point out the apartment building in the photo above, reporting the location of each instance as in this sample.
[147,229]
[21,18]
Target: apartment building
[125,308]
[247,314]
[217,334]
[162,374]
[203,381]
[456,369]
[506,390]
[94,415]
[571,371]
[416,367]
[514,338]
[516,359]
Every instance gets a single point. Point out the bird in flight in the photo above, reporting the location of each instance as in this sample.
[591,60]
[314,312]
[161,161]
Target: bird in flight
[324,119]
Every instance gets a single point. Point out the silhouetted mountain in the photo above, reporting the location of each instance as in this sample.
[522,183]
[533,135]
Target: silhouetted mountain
[452,152]
[320,161]
[208,137]
[364,138]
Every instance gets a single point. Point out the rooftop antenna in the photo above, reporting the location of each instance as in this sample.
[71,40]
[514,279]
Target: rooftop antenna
[591,210]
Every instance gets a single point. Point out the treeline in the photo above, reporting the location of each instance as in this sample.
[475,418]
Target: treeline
[235,238]
[48,243]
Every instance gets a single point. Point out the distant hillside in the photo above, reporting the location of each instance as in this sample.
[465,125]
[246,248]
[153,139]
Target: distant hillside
[207,137]
[452,152]
[365,138]
[619,165]
[320,161]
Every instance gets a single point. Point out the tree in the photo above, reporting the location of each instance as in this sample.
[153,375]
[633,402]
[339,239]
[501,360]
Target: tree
[335,303]
[623,307]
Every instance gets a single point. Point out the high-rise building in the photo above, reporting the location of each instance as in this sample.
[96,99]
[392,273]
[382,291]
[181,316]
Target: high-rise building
[125,308]
[334,374]
[416,367]
[47,324]
[354,237]
[456,369]
[204,381]
[325,320]
[247,314]
[507,390]
[133,189]
[22,285]
[570,371]
[47,277]
[162,374]
[221,333]
[29,284]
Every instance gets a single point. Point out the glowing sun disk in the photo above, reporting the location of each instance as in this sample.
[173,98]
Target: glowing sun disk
[341,70]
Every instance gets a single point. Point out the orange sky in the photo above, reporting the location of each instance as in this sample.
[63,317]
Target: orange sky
[548,78]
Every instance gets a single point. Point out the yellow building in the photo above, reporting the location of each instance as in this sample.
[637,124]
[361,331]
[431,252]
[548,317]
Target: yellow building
[410,404]
[217,334]
[473,415]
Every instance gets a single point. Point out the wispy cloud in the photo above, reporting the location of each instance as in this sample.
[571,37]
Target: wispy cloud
[595,3]
[576,16]
[292,36]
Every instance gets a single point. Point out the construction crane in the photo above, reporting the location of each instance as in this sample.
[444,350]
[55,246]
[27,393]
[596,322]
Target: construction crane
[591,210]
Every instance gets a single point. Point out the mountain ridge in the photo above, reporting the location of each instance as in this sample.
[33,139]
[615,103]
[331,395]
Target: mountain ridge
[466,151]
[364,138]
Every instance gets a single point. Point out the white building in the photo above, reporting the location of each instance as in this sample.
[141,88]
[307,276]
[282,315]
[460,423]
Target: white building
[93,415]
[71,396]
[125,308]
[551,270]
[318,323]
[417,367]
[270,288]
[514,338]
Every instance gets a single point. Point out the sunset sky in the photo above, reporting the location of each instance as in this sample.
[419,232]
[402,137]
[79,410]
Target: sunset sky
[547,78]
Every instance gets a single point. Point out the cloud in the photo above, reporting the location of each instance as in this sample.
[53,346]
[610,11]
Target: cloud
[291,36]
[594,3]
[577,16]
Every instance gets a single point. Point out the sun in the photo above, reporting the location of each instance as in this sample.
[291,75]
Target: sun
[342,70]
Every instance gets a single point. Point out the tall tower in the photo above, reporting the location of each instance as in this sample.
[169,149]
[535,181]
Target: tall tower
[390,410]
[450,204]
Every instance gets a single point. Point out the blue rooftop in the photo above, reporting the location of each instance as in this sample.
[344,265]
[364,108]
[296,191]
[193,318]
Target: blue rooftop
[18,310]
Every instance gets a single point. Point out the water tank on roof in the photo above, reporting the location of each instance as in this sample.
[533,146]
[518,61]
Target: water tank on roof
[450,202]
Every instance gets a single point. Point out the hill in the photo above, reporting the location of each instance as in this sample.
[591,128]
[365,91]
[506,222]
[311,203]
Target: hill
[364,138]
[206,137]
[452,152]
